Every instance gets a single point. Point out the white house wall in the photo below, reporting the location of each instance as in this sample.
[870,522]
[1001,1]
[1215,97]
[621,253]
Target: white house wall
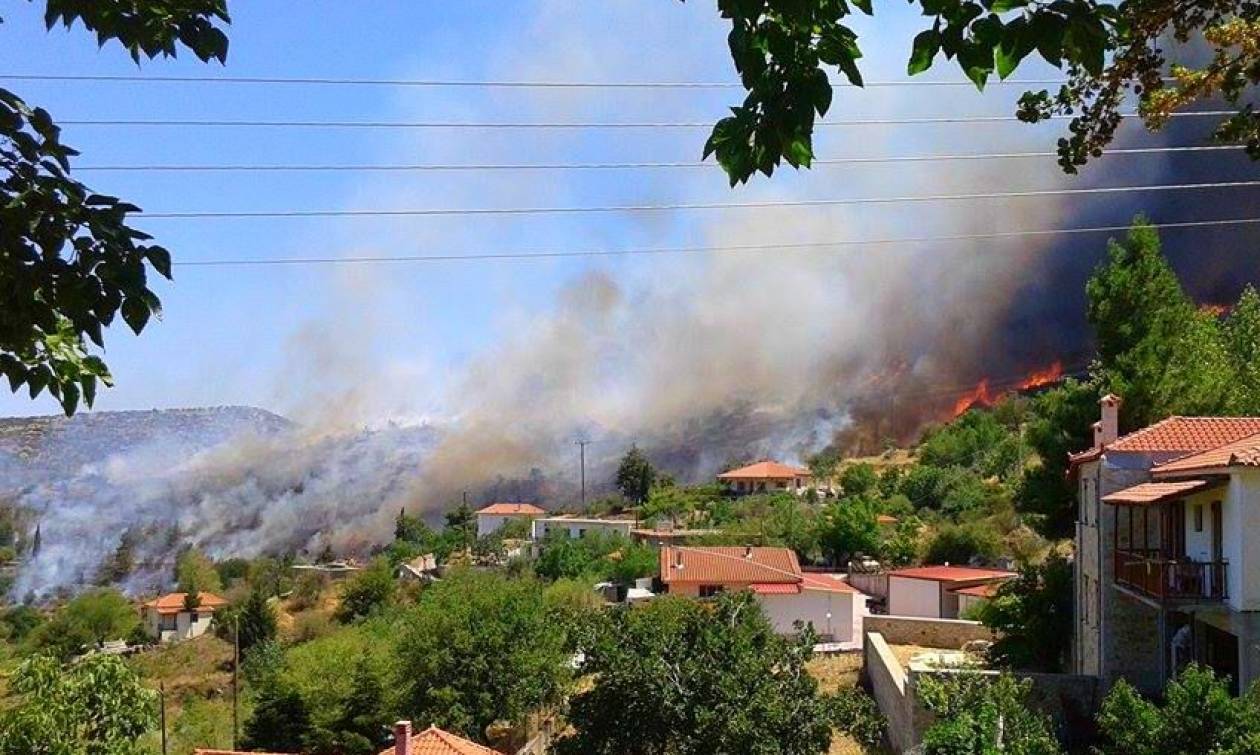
[813,607]
[1242,540]
[914,597]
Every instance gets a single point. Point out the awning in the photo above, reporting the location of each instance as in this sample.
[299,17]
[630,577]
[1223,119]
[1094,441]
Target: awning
[775,588]
[1156,492]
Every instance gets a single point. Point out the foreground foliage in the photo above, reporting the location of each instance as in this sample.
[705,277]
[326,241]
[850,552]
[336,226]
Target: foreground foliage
[1199,716]
[95,707]
[678,676]
[69,261]
[783,51]
[980,715]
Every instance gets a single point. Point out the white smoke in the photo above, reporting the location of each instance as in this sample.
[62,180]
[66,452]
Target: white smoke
[699,358]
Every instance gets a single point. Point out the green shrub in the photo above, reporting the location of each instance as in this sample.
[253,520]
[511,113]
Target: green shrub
[855,713]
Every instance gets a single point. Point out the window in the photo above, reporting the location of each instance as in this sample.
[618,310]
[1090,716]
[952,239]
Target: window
[710,591]
[192,619]
[167,622]
[1198,517]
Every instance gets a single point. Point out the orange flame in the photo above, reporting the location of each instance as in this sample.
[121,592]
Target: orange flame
[1216,310]
[979,396]
[1038,378]
[983,395]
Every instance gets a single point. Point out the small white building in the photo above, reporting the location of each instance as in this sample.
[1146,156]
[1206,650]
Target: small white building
[765,477]
[934,592]
[491,518]
[787,595]
[576,526]
[169,619]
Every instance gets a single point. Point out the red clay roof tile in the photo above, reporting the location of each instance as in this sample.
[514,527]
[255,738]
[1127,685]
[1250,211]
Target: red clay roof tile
[729,566]
[764,470]
[511,509]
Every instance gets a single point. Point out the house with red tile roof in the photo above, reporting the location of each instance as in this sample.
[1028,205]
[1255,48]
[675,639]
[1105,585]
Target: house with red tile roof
[432,741]
[765,477]
[169,618]
[786,593]
[1168,549]
[491,518]
[932,592]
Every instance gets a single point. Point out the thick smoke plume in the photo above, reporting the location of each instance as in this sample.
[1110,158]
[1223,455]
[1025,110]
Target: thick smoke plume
[700,359]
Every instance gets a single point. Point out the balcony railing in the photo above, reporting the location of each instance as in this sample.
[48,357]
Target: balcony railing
[1154,574]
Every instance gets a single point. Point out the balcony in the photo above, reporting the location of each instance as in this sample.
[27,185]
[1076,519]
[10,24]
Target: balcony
[1151,573]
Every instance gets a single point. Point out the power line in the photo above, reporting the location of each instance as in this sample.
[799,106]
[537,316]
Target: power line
[669,251]
[229,123]
[428,212]
[470,83]
[616,165]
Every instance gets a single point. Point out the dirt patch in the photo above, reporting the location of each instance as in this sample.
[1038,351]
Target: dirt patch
[835,671]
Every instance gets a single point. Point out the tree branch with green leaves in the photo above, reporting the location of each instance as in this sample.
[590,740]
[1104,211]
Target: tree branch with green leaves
[784,51]
[70,263]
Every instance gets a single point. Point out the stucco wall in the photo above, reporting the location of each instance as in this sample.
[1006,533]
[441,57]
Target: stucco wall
[812,607]
[933,633]
[887,680]
[913,597]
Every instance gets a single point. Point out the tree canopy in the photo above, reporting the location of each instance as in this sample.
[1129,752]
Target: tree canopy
[678,676]
[69,262]
[783,51]
[479,647]
[95,707]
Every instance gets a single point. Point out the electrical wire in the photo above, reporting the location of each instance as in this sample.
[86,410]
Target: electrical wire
[669,251]
[475,211]
[228,123]
[469,83]
[617,165]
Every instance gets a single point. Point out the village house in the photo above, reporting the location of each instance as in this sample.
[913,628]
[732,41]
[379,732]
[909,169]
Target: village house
[765,477]
[169,619]
[786,593]
[1168,549]
[431,741]
[491,518]
[579,526]
[940,592]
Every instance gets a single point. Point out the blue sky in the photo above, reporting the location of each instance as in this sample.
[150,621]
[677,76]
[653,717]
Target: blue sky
[401,338]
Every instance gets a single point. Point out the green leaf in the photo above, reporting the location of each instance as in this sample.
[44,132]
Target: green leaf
[926,45]
[160,259]
[1002,6]
[135,313]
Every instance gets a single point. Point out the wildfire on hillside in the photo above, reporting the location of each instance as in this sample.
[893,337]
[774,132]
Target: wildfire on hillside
[986,394]
[1216,310]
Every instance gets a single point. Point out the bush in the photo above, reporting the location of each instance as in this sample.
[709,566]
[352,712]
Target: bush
[87,620]
[368,592]
[963,543]
[856,713]
[307,590]
[310,625]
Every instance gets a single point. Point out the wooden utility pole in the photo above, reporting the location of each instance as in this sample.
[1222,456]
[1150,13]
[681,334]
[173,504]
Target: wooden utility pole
[581,444]
[162,712]
[236,684]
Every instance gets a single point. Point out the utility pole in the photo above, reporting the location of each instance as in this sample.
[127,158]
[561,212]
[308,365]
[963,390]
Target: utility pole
[236,687]
[581,444]
[162,699]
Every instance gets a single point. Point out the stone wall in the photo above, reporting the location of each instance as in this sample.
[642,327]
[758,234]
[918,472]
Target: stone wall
[883,673]
[1070,700]
[932,633]
[1135,631]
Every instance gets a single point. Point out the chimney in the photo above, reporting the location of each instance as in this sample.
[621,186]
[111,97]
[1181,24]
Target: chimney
[678,564]
[402,738]
[1110,418]
[1097,434]
[748,552]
